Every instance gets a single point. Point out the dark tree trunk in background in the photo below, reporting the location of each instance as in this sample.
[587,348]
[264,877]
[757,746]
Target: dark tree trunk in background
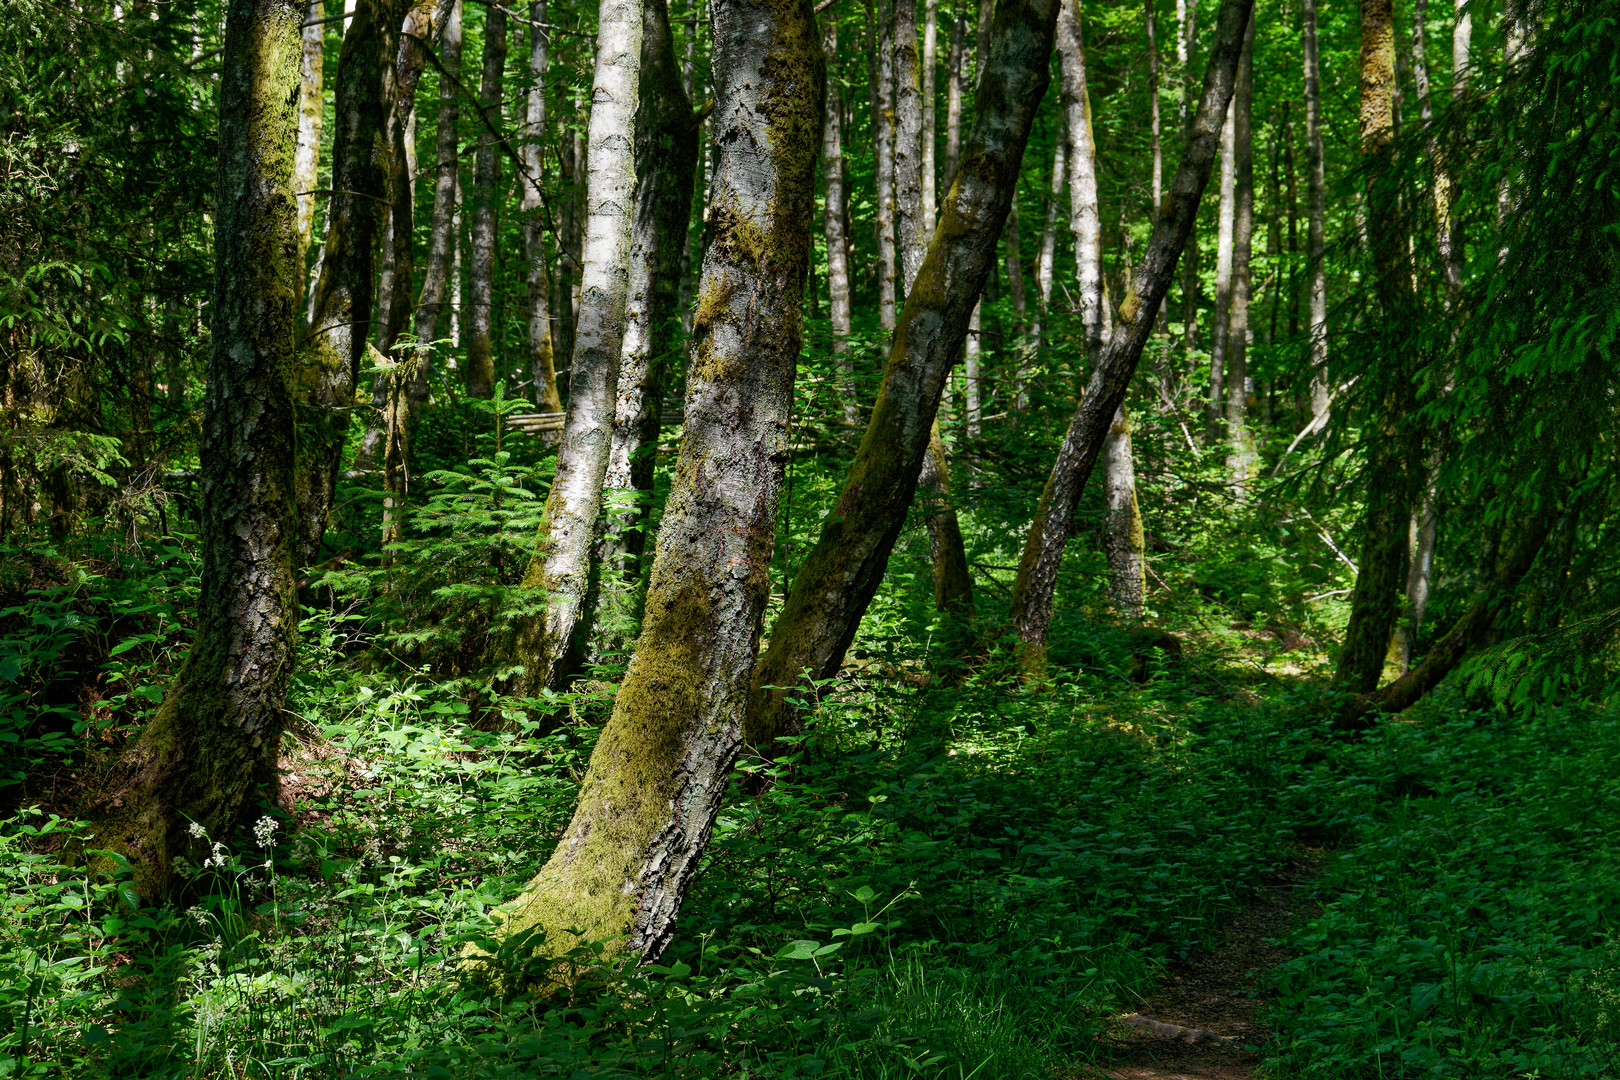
[542,357]
[219,727]
[663,761]
[842,572]
[1105,392]
[551,644]
[342,303]
[666,168]
[1395,454]
[479,376]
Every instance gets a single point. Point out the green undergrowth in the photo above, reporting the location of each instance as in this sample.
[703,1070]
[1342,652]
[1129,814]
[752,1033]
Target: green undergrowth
[1468,931]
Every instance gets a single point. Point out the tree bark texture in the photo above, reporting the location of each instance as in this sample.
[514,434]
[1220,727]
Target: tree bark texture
[912,217]
[1124,539]
[955,81]
[478,378]
[930,118]
[1315,222]
[219,727]
[1085,213]
[542,356]
[1031,606]
[1395,454]
[1215,401]
[841,573]
[883,134]
[662,764]
[1155,145]
[341,305]
[430,321]
[549,644]
[838,301]
[666,169]
[1240,454]
[306,168]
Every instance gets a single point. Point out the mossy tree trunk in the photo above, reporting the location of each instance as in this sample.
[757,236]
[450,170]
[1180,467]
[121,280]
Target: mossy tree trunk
[1395,454]
[842,572]
[666,167]
[307,168]
[1031,607]
[219,727]
[662,764]
[550,644]
[343,299]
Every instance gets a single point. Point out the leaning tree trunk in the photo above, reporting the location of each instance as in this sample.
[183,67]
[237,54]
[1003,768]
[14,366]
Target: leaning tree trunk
[479,376]
[1395,455]
[542,357]
[1240,455]
[341,305]
[666,166]
[662,764]
[1105,391]
[219,728]
[549,644]
[842,572]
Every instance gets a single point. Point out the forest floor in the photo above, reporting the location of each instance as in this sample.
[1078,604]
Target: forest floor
[1203,1022]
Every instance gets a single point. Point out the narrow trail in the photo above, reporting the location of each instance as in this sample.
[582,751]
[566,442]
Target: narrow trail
[1203,1020]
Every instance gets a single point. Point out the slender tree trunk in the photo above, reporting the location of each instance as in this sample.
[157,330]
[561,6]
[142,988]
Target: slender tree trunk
[342,302]
[972,377]
[1153,106]
[551,643]
[307,161]
[1124,539]
[1226,219]
[838,303]
[569,196]
[883,125]
[1046,257]
[479,375]
[542,358]
[956,79]
[1240,459]
[430,306]
[661,767]
[912,217]
[842,572]
[218,730]
[1315,224]
[952,584]
[1105,392]
[1187,18]
[666,169]
[1395,459]
[1015,268]
[930,124]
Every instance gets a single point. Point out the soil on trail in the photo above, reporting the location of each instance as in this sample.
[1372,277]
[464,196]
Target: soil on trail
[1202,1022]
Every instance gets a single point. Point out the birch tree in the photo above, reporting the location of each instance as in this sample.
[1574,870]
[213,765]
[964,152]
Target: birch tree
[833,216]
[1315,222]
[478,376]
[1240,454]
[542,357]
[661,766]
[1031,606]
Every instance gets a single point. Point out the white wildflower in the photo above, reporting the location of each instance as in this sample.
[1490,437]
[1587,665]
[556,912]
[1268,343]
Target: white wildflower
[264,831]
[196,830]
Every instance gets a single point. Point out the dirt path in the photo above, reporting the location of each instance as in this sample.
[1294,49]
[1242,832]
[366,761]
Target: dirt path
[1202,1020]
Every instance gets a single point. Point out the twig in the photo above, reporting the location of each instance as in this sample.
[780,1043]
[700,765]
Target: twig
[1324,596]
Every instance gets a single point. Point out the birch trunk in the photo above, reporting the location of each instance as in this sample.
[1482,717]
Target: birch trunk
[219,728]
[972,377]
[1124,539]
[307,162]
[1315,224]
[479,375]
[1156,148]
[1187,17]
[883,134]
[1215,402]
[549,644]
[1046,257]
[842,572]
[838,304]
[955,80]
[662,764]
[1105,391]
[930,62]
[666,169]
[542,358]
[569,197]
[1240,455]
[343,300]
[1393,462]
